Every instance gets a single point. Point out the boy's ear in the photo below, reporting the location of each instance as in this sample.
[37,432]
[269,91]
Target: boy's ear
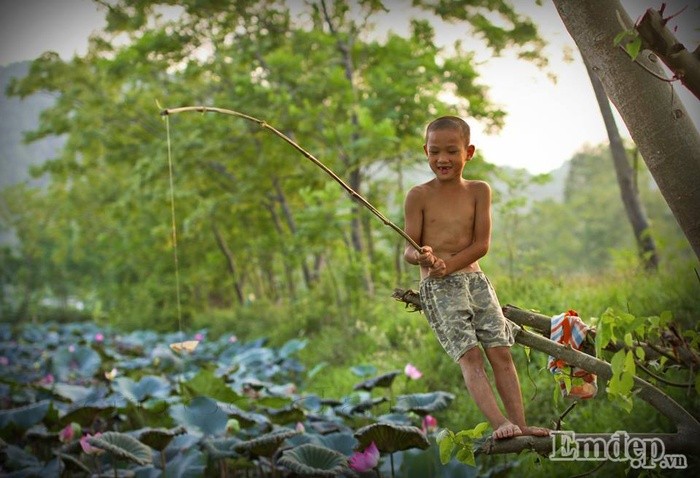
[425,149]
[470,151]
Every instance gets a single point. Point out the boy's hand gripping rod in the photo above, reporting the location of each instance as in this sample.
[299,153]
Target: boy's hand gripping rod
[354,195]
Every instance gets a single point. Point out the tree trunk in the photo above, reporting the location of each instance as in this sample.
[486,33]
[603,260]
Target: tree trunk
[230,262]
[625,179]
[350,160]
[659,124]
[291,225]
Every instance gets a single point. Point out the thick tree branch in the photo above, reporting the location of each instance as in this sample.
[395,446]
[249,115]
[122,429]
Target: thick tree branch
[658,38]
[681,418]
[674,443]
[541,323]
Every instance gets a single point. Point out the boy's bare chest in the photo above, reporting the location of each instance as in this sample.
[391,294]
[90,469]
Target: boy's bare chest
[449,212]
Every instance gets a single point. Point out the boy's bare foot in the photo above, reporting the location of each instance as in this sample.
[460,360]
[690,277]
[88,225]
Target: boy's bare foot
[535,431]
[506,430]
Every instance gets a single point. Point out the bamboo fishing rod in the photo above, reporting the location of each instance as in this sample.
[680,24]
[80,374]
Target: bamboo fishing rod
[263,124]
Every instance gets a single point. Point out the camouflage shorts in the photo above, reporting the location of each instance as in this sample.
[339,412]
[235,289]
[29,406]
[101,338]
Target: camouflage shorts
[463,310]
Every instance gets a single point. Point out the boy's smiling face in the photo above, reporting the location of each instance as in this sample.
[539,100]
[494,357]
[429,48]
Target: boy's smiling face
[448,153]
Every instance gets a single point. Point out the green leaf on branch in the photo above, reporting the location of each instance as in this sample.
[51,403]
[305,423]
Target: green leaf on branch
[446,443]
[622,381]
[463,441]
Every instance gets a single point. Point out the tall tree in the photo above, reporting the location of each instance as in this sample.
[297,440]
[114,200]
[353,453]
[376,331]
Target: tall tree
[666,137]
[625,179]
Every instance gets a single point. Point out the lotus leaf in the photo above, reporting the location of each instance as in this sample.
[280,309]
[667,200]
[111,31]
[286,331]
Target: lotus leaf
[291,347]
[15,458]
[122,446]
[390,438]
[79,361]
[265,445]
[314,460]
[202,414]
[207,384]
[395,418]
[137,392]
[159,438]
[221,448]
[24,417]
[273,402]
[423,403]
[245,419]
[186,464]
[349,409]
[258,358]
[78,393]
[285,415]
[341,442]
[324,427]
[383,381]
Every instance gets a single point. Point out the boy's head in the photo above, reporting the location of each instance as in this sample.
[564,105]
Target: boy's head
[449,122]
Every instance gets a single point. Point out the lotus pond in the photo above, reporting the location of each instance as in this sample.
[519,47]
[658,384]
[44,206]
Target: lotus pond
[78,400]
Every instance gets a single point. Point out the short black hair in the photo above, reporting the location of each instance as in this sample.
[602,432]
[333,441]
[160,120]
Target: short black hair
[449,122]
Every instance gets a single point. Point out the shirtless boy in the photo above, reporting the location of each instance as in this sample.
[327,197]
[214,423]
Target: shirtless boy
[451,218]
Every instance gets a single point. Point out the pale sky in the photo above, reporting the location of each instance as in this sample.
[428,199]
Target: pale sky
[547,122]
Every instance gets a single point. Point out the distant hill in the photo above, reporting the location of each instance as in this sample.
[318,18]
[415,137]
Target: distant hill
[18,116]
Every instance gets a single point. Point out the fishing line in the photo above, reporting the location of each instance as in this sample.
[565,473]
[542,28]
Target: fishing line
[174,225]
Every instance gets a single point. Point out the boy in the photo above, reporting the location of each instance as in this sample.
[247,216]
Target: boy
[451,217]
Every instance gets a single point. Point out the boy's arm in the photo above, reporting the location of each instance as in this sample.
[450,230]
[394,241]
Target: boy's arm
[413,226]
[482,231]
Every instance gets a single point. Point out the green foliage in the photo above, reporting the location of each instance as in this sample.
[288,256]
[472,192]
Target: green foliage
[462,441]
[622,381]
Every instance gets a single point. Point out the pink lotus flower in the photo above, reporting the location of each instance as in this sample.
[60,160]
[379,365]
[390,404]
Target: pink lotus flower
[233,339]
[412,372]
[199,336]
[47,380]
[87,447]
[300,427]
[366,460]
[71,348]
[69,432]
[429,424]
[99,337]
[4,361]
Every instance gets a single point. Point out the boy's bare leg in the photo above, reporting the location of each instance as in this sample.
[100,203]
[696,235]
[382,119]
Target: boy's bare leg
[508,387]
[472,365]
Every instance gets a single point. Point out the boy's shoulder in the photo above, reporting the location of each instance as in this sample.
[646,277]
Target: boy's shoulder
[423,188]
[476,184]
